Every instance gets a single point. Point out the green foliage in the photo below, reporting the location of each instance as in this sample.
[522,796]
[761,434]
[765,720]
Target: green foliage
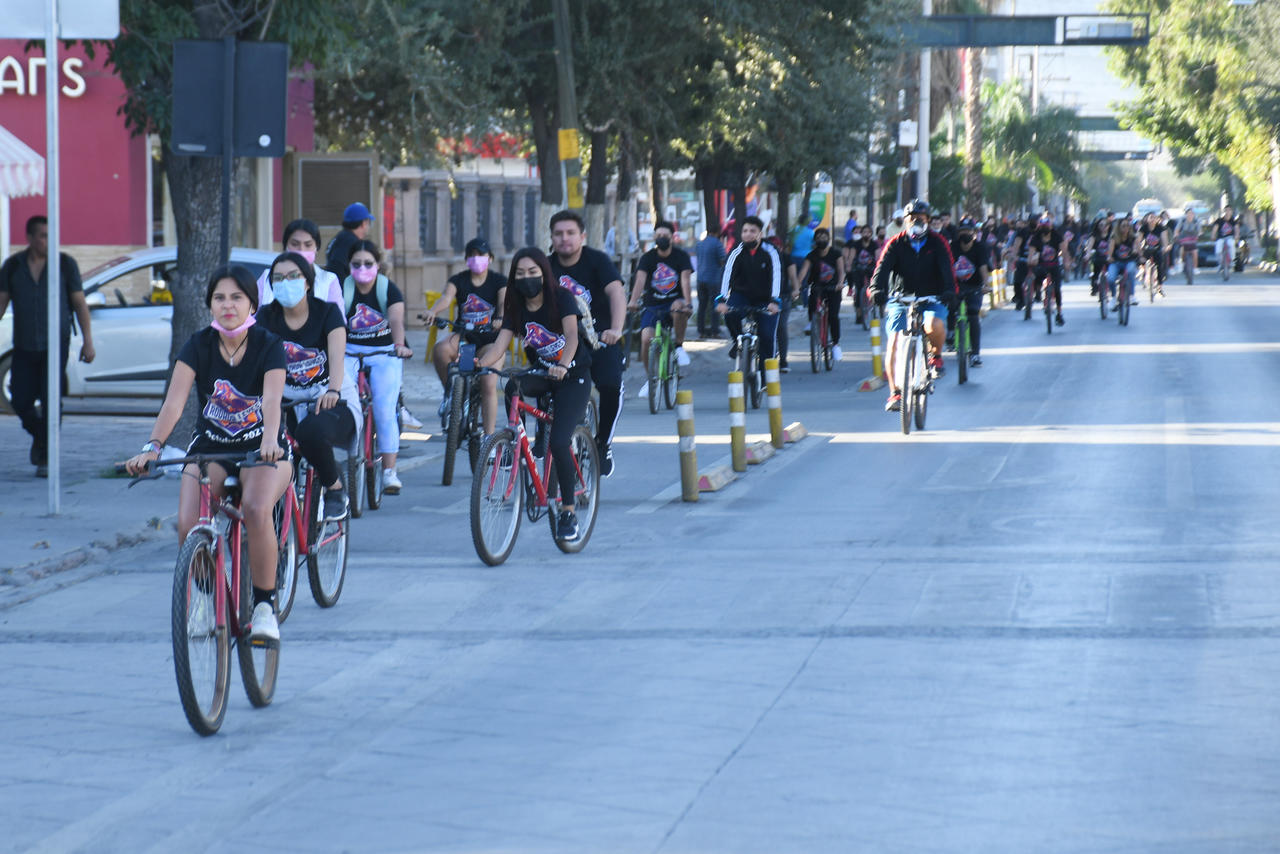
[1040,146]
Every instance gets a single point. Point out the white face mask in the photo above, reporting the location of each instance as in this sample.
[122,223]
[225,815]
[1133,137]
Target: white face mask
[917,229]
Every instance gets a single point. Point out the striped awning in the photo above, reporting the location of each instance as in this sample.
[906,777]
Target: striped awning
[21,169]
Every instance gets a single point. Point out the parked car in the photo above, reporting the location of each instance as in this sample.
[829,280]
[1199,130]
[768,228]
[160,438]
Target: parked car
[132,326]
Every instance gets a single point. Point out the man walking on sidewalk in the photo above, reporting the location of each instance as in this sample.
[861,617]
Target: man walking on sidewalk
[711,258]
[24,281]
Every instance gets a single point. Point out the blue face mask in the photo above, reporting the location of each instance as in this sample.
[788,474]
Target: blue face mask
[289,292]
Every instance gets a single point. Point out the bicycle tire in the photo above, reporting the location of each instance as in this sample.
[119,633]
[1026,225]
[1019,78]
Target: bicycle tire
[828,356]
[473,430]
[1102,299]
[655,373]
[814,345]
[1123,314]
[757,379]
[591,418]
[355,484]
[905,387]
[497,493]
[203,694]
[1048,307]
[453,433]
[920,406]
[962,350]
[586,456]
[374,481]
[259,663]
[327,564]
[861,307]
[286,559]
[670,379]
[1028,297]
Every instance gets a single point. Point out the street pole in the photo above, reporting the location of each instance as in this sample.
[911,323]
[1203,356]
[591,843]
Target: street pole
[53,263]
[570,162]
[228,140]
[922,146]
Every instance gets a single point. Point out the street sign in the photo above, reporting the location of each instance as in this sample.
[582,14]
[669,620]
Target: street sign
[908,131]
[77,19]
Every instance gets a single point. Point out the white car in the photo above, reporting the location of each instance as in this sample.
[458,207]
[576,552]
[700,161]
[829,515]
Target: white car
[130,334]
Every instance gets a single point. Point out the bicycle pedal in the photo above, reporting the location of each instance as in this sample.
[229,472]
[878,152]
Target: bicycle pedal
[264,643]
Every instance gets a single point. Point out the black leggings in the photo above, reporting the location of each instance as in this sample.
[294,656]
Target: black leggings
[569,398]
[319,433]
[832,298]
[606,373]
[1054,274]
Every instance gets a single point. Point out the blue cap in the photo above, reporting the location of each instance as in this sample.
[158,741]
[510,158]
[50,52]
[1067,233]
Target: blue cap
[356,212]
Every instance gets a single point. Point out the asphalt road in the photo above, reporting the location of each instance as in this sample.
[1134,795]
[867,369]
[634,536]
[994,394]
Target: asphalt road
[1050,622]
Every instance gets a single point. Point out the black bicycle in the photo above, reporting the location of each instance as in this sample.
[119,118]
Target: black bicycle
[749,360]
[915,380]
[465,420]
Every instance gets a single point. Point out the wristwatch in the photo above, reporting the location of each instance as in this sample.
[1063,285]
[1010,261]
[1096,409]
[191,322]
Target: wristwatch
[152,447]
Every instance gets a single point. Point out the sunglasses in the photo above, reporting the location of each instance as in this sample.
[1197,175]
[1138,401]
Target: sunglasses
[355,265]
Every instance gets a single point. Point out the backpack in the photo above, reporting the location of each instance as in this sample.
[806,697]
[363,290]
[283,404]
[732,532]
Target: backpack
[380,289]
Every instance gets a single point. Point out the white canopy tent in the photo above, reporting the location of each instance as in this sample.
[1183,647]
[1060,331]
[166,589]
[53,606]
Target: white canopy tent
[21,174]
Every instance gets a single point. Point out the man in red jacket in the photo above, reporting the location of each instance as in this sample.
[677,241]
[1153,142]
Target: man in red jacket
[915,262]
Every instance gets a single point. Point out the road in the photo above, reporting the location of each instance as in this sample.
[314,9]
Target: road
[1050,623]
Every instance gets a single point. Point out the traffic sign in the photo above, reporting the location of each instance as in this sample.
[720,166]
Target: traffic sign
[77,19]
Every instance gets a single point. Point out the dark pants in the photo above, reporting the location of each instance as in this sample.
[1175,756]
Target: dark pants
[569,402]
[319,433]
[708,320]
[606,374]
[832,298]
[1054,274]
[784,336]
[766,323]
[1019,276]
[1161,268]
[27,384]
[973,308]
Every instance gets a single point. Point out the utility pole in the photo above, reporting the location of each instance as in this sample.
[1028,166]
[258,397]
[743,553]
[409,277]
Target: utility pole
[922,146]
[570,160]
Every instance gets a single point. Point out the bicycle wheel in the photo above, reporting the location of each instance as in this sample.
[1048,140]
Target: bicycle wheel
[962,350]
[287,559]
[327,563]
[591,420]
[201,648]
[864,312]
[497,497]
[1123,312]
[757,379]
[374,481]
[473,426]
[1028,299]
[828,357]
[355,484]
[1048,307]
[586,457]
[815,346]
[259,661]
[908,355]
[670,379]
[453,433]
[655,373]
[1102,298]
[1150,275]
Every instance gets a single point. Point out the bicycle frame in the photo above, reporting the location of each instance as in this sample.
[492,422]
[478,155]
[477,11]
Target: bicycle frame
[517,408]
[293,516]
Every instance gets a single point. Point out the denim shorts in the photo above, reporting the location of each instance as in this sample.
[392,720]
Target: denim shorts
[653,313]
[895,315]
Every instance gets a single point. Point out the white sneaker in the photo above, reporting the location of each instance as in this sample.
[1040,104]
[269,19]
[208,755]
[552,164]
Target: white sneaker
[390,482]
[808,327]
[837,353]
[644,391]
[682,358]
[408,420]
[264,625]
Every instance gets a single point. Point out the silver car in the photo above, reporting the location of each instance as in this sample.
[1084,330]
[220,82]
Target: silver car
[131,334]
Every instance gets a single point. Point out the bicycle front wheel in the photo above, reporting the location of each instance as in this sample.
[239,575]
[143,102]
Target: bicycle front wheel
[453,434]
[375,481]
[908,357]
[655,373]
[962,350]
[327,563]
[356,484]
[201,647]
[586,462]
[670,379]
[828,356]
[1048,309]
[286,559]
[815,346]
[259,661]
[497,497]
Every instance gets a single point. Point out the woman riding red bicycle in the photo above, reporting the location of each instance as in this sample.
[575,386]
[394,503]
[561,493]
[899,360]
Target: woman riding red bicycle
[238,371]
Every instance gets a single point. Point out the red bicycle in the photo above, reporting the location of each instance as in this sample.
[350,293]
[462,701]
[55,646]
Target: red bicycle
[364,468]
[820,333]
[212,605]
[507,483]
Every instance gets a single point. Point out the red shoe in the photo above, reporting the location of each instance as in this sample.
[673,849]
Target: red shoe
[936,366]
[894,404]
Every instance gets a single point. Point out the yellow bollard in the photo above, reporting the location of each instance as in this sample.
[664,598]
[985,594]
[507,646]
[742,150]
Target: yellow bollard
[433,331]
[876,380]
[737,422]
[688,446]
[773,388]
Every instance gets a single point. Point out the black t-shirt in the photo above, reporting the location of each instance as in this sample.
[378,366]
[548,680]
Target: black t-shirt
[864,254]
[1224,227]
[1152,238]
[588,279]
[338,253]
[31,300]
[367,322]
[542,345]
[822,268]
[663,275]
[1123,248]
[967,264]
[477,305]
[230,396]
[1043,248]
[306,350]
[1021,237]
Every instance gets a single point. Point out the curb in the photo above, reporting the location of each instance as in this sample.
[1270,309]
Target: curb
[716,478]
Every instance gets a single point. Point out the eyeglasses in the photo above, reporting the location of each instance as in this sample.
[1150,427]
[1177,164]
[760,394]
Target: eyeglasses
[276,278]
[355,265]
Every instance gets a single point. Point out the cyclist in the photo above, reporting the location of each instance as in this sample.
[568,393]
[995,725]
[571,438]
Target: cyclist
[549,322]
[375,321]
[860,261]
[1225,228]
[918,262]
[1098,248]
[1017,238]
[303,236]
[1046,247]
[662,279]
[1186,236]
[971,269]
[1155,239]
[315,344]
[823,270]
[477,292]
[590,274]
[1123,259]
[239,373]
[752,282]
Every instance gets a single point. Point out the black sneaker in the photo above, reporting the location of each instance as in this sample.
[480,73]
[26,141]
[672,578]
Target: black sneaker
[606,462]
[1058,320]
[975,361]
[335,504]
[567,526]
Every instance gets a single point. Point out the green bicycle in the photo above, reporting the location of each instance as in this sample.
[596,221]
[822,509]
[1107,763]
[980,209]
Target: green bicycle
[661,367]
[962,343]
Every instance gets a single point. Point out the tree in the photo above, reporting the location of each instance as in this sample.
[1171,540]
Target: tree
[1040,146]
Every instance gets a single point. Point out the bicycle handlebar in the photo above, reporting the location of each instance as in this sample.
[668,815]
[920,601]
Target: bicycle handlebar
[248,460]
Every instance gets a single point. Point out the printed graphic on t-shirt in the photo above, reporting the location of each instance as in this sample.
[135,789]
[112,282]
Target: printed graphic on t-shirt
[1152,241]
[570,284]
[1048,255]
[232,411]
[544,342]
[865,258]
[1102,246]
[1227,228]
[1122,251]
[304,364]
[964,268]
[826,273]
[477,311]
[367,321]
[665,279]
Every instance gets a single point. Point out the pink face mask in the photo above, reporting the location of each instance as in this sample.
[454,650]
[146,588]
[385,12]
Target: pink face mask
[309,254]
[478,263]
[364,275]
[234,333]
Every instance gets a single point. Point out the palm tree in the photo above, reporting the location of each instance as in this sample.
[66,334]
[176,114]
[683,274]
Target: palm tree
[1042,146]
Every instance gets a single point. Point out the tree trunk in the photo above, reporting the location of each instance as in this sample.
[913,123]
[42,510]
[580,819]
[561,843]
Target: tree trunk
[709,176]
[656,202]
[547,151]
[739,199]
[624,220]
[597,187]
[973,183]
[803,218]
[782,219]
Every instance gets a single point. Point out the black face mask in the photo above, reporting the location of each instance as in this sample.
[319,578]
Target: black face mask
[750,244]
[822,243]
[966,238]
[529,287]
[663,243]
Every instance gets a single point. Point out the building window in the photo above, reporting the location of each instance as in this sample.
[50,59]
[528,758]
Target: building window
[508,218]
[530,219]
[427,219]
[484,206]
[456,240]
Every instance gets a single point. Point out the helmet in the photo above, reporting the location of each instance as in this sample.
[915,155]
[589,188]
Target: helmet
[967,224]
[917,206]
[1045,219]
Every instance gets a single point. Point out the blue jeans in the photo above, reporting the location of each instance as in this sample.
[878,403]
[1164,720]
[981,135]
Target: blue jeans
[1113,275]
[385,374]
[766,323]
